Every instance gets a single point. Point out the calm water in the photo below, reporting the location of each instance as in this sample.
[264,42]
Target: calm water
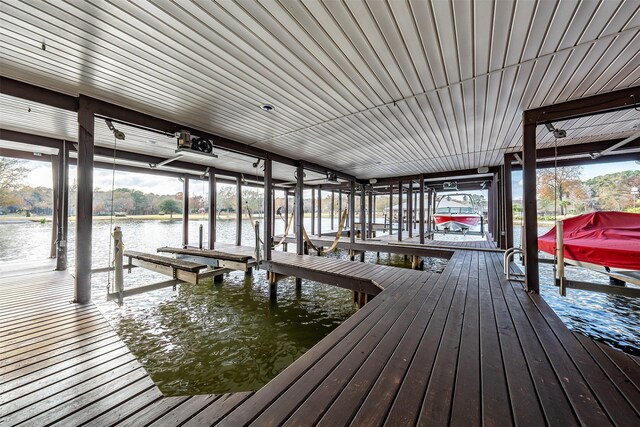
[214,338]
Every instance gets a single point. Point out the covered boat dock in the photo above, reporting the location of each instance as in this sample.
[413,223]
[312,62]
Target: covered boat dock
[362,99]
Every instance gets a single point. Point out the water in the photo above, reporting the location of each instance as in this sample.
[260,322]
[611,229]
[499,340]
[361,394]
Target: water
[215,338]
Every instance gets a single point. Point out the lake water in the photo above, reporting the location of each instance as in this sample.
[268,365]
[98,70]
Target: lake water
[214,338]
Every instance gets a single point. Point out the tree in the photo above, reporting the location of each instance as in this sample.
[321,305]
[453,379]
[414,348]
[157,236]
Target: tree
[613,191]
[561,183]
[170,205]
[12,174]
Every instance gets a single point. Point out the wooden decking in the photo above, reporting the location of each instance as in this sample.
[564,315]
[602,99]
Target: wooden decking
[464,347]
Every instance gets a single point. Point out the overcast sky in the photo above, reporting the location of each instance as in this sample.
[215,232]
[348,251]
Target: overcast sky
[40,175]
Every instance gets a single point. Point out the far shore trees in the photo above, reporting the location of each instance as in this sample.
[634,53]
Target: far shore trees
[170,206]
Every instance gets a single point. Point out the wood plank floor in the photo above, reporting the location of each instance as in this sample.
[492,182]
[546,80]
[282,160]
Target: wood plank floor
[465,347]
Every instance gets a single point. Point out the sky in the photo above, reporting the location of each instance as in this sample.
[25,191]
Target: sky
[40,175]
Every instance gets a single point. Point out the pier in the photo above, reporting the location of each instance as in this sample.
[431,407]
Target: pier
[461,347]
[350,111]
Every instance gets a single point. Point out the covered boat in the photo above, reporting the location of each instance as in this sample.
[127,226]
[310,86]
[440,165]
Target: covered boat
[606,241]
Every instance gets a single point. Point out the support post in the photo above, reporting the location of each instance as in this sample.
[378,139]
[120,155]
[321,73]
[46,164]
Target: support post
[333,205]
[390,209]
[62,206]
[118,255]
[421,209]
[410,208]
[313,211]
[299,207]
[319,211]
[213,207]
[429,209]
[339,204]
[508,202]
[84,204]
[238,211]
[268,209]
[374,206]
[363,218]
[370,214]
[55,162]
[530,208]
[286,209]
[560,258]
[185,210]
[352,208]
[400,213]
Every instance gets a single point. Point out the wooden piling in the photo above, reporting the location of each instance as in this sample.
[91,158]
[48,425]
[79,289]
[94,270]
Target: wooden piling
[185,211]
[118,251]
[213,208]
[238,211]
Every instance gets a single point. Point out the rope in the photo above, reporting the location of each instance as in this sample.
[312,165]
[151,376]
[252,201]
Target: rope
[343,220]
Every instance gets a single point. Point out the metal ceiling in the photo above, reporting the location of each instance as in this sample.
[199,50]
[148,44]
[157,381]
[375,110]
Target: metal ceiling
[370,88]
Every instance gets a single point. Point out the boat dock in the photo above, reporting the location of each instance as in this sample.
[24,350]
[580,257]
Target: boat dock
[461,347]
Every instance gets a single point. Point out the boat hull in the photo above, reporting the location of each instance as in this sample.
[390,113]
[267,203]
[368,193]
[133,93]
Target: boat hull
[456,222]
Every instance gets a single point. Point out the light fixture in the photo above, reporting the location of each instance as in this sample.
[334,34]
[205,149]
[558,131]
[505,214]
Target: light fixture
[373,181]
[267,107]
[483,169]
[36,154]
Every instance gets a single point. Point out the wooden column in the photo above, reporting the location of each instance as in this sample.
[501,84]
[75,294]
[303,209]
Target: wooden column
[319,211]
[238,211]
[352,217]
[429,208]
[340,205]
[370,214]
[421,209]
[333,203]
[84,203]
[390,209]
[62,207]
[213,207]
[501,208]
[410,208]
[55,162]
[268,209]
[185,210]
[313,211]
[373,211]
[530,208]
[272,224]
[400,212]
[363,216]
[299,207]
[508,202]
[286,209]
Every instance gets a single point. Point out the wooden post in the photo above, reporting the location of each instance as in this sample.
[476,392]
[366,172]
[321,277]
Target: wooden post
[319,211]
[213,207]
[185,210]
[390,209]
[286,209]
[118,251]
[363,219]
[410,222]
[238,211]
[268,209]
[62,206]
[54,197]
[313,211]
[560,258]
[508,202]
[333,203]
[84,204]
[370,215]
[340,204]
[374,206]
[272,224]
[352,208]
[421,209]
[400,221]
[257,252]
[530,208]
[299,207]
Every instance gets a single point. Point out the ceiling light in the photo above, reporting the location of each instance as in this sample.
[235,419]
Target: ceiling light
[267,107]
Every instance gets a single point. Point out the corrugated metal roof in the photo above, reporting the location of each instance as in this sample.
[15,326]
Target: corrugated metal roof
[372,88]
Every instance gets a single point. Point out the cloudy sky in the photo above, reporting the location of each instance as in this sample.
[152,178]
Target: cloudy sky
[41,176]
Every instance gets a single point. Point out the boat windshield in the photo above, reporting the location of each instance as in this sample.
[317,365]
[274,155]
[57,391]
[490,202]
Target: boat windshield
[442,210]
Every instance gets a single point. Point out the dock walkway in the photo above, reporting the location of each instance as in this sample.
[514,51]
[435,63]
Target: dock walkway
[462,347]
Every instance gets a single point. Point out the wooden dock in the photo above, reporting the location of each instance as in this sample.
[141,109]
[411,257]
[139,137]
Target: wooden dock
[464,347]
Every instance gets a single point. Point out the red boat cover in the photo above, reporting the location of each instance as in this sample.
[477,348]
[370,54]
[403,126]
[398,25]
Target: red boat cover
[610,239]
